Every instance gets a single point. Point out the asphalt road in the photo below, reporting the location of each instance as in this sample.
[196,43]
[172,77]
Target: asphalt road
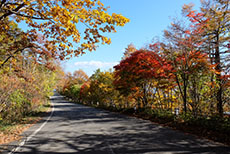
[79,129]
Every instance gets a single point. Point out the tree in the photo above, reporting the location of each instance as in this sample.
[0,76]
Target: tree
[129,50]
[73,83]
[80,76]
[216,37]
[185,53]
[58,22]
[134,75]
[12,40]
[24,90]
[99,89]
[84,93]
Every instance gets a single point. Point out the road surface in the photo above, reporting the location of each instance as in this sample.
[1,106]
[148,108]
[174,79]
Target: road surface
[74,128]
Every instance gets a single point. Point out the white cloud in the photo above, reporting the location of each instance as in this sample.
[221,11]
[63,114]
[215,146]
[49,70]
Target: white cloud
[95,64]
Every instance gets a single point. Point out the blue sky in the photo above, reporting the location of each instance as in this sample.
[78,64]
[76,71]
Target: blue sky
[148,19]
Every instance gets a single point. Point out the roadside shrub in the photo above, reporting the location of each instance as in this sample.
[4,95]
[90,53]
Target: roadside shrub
[75,91]
[18,108]
[163,115]
[20,96]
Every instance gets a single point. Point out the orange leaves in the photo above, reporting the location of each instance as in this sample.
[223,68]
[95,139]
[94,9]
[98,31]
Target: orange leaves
[195,17]
[139,67]
[187,32]
[191,14]
[63,17]
[100,4]
[192,62]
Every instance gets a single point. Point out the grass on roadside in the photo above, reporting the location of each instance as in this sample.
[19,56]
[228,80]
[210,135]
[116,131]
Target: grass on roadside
[10,131]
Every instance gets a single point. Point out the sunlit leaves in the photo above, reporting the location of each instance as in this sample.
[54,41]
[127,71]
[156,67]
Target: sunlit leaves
[139,73]
[24,89]
[98,89]
[58,22]
[216,36]
[129,50]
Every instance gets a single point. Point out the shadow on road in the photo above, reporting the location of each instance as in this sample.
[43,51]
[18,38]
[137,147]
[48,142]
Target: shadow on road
[79,129]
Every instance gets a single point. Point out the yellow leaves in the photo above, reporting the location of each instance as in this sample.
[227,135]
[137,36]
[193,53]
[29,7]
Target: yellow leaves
[74,18]
[120,20]
[99,3]
[106,40]
[61,18]
[85,45]
[64,45]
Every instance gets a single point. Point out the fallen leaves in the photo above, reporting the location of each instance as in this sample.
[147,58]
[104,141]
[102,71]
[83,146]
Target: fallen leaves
[13,133]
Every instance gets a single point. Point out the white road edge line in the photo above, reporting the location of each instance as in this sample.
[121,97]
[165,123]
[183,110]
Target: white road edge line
[34,133]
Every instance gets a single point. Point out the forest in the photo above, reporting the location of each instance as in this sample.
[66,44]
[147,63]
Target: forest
[182,78]
[35,38]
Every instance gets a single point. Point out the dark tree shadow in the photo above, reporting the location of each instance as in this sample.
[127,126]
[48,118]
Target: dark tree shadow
[79,129]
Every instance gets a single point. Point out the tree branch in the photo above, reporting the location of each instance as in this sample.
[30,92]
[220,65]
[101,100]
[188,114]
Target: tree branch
[3,1]
[12,55]
[32,17]
[41,15]
[10,12]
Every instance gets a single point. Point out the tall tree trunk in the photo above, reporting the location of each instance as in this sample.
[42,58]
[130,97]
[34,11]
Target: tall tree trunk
[145,100]
[185,94]
[218,77]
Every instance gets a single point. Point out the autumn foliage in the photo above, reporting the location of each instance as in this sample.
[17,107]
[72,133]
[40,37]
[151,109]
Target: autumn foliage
[56,24]
[187,71]
[30,58]
[24,93]
[136,73]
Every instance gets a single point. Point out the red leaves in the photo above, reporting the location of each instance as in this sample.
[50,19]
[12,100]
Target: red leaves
[225,80]
[141,66]
[138,63]
[225,77]
[154,46]
[191,14]
[198,22]
[195,17]
[84,88]
[192,62]
[187,32]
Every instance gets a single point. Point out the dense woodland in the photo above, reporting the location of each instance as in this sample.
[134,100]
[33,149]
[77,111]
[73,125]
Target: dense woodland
[181,79]
[186,71]
[30,58]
